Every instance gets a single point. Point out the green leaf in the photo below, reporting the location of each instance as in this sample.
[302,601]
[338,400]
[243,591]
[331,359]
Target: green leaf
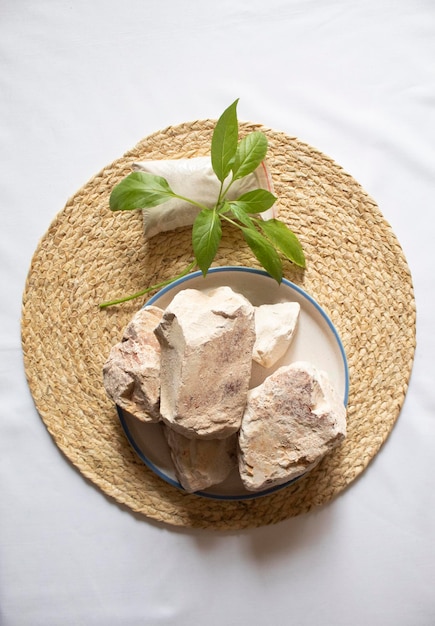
[239,214]
[255,201]
[224,142]
[264,252]
[284,239]
[250,153]
[206,236]
[140,190]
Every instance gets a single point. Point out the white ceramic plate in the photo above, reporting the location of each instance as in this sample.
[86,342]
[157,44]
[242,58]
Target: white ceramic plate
[316,340]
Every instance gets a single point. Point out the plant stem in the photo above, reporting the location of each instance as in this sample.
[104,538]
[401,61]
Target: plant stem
[198,204]
[190,267]
[221,195]
[229,219]
[224,216]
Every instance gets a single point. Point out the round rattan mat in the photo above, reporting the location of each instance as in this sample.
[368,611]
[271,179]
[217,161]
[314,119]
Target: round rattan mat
[356,270]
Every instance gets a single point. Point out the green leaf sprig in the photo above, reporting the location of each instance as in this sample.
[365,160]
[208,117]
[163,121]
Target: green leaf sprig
[231,160]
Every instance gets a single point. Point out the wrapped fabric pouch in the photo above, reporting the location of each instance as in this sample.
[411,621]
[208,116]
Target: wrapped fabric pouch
[194,178]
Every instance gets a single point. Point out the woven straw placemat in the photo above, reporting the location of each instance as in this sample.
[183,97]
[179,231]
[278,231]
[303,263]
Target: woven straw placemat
[356,270]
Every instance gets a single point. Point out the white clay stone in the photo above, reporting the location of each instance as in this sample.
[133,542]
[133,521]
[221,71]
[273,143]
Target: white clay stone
[206,341]
[275,326]
[131,374]
[201,463]
[291,421]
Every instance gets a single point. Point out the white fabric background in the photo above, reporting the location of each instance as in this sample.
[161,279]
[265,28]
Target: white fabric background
[80,83]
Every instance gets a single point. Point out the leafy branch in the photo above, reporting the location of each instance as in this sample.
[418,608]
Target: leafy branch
[231,160]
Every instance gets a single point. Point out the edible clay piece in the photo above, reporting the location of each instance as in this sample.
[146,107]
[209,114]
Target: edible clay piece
[131,374]
[291,421]
[195,179]
[206,341]
[275,326]
[201,463]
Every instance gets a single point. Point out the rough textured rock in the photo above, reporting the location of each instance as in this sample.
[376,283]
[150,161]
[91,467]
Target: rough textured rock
[206,343]
[131,374]
[275,325]
[291,421]
[201,463]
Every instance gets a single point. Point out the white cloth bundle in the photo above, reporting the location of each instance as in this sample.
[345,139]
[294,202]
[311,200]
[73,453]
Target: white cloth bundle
[194,178]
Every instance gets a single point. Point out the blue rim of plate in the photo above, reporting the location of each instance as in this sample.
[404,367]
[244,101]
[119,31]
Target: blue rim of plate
[251,270]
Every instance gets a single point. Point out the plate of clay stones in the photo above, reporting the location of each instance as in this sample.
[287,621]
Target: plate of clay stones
[230,386]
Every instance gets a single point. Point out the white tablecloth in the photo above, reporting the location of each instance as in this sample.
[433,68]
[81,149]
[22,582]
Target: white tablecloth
[80,83]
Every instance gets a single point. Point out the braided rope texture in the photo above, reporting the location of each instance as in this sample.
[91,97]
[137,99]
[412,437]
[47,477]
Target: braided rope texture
[356,270]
